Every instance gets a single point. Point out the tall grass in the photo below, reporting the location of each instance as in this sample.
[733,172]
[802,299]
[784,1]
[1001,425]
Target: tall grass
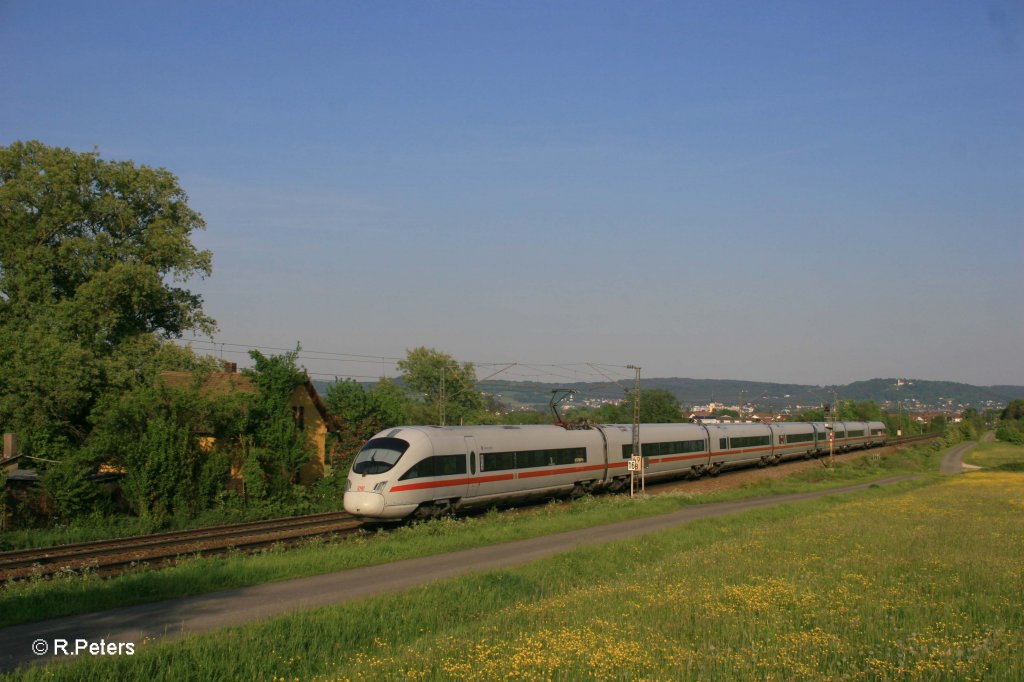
[324,496]
[997,455]
[919,585]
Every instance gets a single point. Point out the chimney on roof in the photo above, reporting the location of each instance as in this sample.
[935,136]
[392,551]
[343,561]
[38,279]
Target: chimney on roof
[231,367]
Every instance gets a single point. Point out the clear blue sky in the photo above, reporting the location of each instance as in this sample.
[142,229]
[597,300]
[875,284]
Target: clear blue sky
[809,192]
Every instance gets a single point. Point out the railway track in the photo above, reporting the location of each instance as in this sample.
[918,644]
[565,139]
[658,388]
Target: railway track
[111,557]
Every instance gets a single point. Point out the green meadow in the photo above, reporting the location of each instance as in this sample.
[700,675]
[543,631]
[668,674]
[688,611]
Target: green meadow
[997,456]
[918,582]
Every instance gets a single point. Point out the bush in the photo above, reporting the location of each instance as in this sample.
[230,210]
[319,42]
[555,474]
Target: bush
[1010,432]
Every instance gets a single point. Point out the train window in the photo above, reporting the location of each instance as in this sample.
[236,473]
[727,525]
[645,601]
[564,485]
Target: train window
[472,462]
[723,443]
[749,441]
[798,437]
[529,459]
[677,447]
[498,461]
[855,434]
[379,455]
[438,465]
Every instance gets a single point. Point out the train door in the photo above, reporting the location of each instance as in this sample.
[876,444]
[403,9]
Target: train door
[473,454]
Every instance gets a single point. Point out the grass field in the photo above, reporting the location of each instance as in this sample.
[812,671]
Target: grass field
[918,584]
[995,455]
[34,600]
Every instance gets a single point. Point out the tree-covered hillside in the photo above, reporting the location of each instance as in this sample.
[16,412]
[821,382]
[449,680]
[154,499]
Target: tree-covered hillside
[920,394]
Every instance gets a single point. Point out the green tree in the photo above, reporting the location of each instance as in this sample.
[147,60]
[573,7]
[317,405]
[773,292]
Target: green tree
[657,406]
[153,432]
[93,258]
[280,448]
[1015,410]
[1010,428]
[447,387]
[88,253]
[974,418]
[363,413]
[816,415]
[1010,431]
[861,411]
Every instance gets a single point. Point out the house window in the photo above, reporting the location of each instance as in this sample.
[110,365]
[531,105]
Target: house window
[299,413]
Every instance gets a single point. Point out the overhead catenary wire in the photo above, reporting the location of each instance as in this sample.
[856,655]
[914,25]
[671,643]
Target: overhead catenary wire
[324,362]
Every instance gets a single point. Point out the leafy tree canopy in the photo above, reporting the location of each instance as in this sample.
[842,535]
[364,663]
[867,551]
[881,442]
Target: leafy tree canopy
[657,406]
[93,256]
[1015,410]
[859,410]
[98,244]
[363,413]
[447,387]
[281,447]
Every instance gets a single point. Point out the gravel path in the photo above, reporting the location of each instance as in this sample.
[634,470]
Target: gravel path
[953,461]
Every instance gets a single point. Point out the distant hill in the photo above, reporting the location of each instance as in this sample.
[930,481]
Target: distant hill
[930,393]
[916,393]
[1010,392]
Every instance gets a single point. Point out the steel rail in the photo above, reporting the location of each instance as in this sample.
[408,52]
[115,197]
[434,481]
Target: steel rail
[161,546]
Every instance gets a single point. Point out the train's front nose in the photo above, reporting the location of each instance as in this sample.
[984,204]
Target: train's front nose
[360,503]
[369,478]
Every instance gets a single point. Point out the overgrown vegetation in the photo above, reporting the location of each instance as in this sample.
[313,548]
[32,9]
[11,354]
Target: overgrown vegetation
[1011,423]
[91,258]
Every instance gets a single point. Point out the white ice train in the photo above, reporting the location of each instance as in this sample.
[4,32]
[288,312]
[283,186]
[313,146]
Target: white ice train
[427,470]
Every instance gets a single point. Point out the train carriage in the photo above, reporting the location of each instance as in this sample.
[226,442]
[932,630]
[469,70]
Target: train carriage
[857,435]
[792,439]
[877,434]
[739,444]
[668,450]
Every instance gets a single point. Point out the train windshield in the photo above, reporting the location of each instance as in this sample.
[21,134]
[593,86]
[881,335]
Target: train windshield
[379,455]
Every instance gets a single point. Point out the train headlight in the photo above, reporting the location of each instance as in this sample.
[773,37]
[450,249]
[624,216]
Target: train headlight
[379,488]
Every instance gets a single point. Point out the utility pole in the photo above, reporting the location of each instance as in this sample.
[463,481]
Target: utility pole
[636,428]
[832,434]
[441,399]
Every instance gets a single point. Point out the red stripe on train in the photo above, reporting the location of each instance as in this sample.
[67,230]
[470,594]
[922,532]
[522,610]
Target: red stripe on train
[449,482]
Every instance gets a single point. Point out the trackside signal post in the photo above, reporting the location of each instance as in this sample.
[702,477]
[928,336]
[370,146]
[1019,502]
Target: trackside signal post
[637,454]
